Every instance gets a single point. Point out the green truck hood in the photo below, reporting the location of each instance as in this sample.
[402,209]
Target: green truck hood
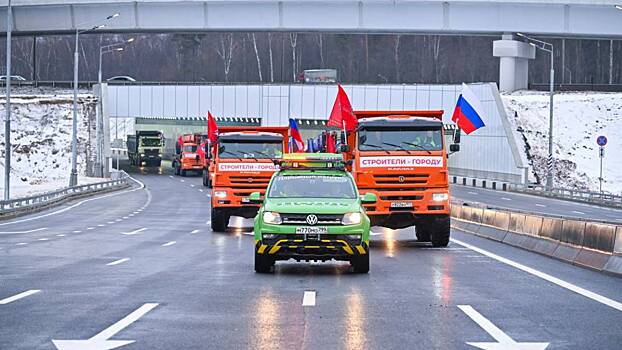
[312,206]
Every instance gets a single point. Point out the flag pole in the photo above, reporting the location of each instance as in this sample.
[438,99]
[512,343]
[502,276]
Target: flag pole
[345,133]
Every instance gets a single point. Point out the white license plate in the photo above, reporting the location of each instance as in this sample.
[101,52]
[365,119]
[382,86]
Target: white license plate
[311,230]
[245,200]
[401,204]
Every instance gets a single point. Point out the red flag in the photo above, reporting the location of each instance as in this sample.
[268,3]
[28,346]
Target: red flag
[201,150]
[212,128]
[180,141]
[330,143]
[342,112]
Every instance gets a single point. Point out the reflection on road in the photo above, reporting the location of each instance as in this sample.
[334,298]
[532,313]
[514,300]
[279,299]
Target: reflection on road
[267,335]
[355,322]
[443,282]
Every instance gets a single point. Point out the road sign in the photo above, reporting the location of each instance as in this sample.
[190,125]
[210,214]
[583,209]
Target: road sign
[601,140]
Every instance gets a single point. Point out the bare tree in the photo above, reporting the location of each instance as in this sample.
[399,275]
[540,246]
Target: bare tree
[320,44]
[225,51]
[271,62]
[257,56]
[396,56]
[293,39]
[436,46]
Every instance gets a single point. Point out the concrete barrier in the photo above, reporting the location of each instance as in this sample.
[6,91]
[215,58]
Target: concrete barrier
[593,245]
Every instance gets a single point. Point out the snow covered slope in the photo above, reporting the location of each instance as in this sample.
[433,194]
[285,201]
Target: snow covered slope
[41,141]
[579,117]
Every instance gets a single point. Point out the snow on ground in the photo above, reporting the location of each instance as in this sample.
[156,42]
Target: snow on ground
[579,117]
[41,141]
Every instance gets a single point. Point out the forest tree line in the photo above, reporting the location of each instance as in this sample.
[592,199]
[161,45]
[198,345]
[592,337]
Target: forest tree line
[279,57]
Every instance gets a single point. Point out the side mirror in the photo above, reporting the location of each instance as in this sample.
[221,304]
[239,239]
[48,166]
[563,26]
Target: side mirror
[255,197]
[457,136]
[369,198]
[344,148]
[454,148]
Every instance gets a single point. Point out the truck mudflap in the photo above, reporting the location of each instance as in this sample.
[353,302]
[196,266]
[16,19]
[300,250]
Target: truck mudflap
[301,249]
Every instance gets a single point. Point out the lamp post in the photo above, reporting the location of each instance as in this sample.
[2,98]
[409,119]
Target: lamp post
[73,177]
[102,51]
[547,47]
[7,122]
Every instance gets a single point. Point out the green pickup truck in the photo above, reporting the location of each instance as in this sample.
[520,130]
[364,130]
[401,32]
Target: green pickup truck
[312,211]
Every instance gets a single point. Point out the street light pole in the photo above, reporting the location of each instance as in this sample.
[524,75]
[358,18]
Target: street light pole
[73,177]
[7,122]
[548,47]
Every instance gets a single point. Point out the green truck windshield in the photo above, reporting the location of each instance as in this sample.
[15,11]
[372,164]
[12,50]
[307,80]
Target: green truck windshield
[397,139]
[312,186]
[154,142]
[250,149]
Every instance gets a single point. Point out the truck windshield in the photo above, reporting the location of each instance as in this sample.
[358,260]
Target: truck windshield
[250,149]
[190,148]
[155,142]
[312,186]
[397,139]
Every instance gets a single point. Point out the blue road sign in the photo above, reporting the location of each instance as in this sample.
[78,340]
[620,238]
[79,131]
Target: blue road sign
[601,140]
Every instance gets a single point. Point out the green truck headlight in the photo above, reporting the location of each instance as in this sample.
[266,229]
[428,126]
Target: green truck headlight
[268,235]
[351,219]
[270,217]
[440,197]
[354,237]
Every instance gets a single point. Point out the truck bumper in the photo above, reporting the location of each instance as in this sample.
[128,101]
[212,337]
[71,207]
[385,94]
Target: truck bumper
[299,249]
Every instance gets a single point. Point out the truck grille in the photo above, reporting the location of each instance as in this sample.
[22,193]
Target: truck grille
[249,181]
[394,179]
[322,219]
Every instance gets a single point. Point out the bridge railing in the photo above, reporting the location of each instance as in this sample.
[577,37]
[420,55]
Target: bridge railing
[602,198]
[25,204]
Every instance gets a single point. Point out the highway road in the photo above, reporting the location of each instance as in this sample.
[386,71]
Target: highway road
[141,269]
[536,204]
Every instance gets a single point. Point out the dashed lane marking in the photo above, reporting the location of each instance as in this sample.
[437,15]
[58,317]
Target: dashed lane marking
[182,180]
[117,220]
[169,243]
[27,231]
[506,199]
[471,193]
[135,232]
[77,231]
[136,212]
[43,239]
[117,262]
[191,185]
[22,243]
[101,225]
[194,231]
[578,212]
[567,285]
[60,235]
[110,222]
[90,228]
[171,176]
[540,205]
[126,217]
[200,190]
[308,299]
[19,296]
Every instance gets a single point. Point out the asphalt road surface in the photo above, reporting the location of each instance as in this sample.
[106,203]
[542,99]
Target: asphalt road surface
[536,204]
[141,269]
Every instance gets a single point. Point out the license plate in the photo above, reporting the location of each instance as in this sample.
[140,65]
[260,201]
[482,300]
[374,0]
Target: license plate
[245,200]
[401,204]
[311,231]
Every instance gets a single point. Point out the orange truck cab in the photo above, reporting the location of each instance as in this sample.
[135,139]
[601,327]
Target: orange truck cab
[186,155]
[401,157]
[242,163]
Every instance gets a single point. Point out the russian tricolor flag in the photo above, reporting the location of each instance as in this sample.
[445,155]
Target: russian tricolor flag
[295,133]
[468,113]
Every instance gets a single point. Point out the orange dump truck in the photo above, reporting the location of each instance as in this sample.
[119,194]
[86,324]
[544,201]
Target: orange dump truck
[242,163]
[401,156]
[186,155]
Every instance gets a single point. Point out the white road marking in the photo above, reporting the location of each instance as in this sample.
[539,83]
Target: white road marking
[506,199]
[208,195]
[540,205]
[19,296]
[578,212]
[117,262]
[374,233]
[171,176]
[142,186]
[22,243]
[28,231]
[169,243]
[194,231]
[90,228]
[619,220]
[183,180]
[101,225]
[135,232]
[251,233]
[117,220]
[200,190]
[209,223]
[130,215]
[503,340]
[308,298]
[191,185]
[100,340]
[569,286]
[60,235]
[43,239]
[471,193]
[77,231]
[136,212]
[125,217]
[110,222]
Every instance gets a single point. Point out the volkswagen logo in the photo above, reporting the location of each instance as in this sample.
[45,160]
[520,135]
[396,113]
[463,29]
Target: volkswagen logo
[311,219]
[401,179]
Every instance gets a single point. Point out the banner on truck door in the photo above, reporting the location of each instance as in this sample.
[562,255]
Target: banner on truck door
[401,162]
[247,167]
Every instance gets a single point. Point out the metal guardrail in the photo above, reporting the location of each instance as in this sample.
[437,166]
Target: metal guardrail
[601,198]
[42,200]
